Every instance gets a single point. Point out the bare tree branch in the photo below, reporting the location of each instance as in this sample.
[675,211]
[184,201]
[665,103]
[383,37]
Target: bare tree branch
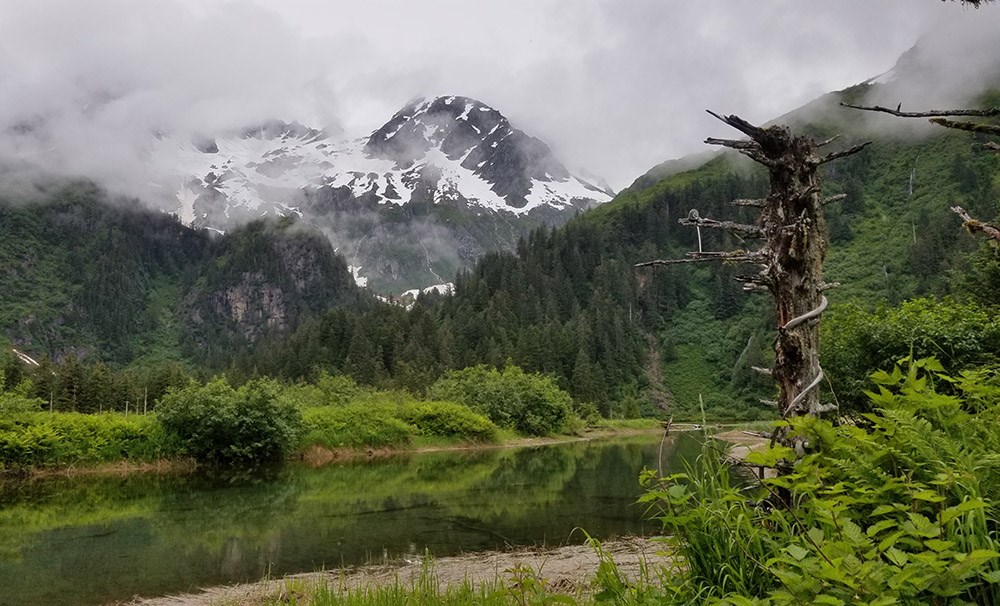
[934,113]
[828,141]
[991,146]
[841,154]
[749,149]
[748,129]
[736,256]
[751,231]
[989,129]
[992,232]
[740,144]
[753,279]
[833,199]
[760,203]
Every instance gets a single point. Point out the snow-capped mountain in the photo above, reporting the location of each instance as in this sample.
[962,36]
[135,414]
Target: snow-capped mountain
[439,184]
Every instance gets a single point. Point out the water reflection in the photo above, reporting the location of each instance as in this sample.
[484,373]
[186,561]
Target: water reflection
[94,540]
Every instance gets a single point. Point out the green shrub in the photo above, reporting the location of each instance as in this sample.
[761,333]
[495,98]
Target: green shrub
[901,511]
[529,403]
[354,426]
[45,439]
[329,390]
[217,424]
[448,420]
[856,342]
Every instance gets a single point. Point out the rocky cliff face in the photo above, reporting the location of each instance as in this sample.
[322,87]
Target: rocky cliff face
[264,277]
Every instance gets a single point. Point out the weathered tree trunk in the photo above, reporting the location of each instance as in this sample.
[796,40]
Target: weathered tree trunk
[794,248]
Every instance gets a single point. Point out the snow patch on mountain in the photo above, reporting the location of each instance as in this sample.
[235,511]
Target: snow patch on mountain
[356,274]
[409,298]
[464,150]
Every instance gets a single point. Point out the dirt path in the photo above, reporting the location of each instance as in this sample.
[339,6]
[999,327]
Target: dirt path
[568,569]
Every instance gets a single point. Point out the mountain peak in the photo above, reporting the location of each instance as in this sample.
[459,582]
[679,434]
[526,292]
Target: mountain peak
[453,124]
[451,174]
[521,171]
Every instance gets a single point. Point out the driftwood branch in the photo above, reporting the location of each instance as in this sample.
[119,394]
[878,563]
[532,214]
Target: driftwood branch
[934,113]
[975,226]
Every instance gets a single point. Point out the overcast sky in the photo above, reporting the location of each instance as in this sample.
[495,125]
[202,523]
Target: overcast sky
[615,86]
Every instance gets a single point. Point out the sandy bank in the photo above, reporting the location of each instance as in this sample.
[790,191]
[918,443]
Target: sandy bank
[569,569]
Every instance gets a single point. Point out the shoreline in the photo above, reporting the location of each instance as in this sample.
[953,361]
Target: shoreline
[317,456]
[568,569]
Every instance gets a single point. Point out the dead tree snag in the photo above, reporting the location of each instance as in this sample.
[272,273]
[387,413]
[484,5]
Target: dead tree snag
[792,232]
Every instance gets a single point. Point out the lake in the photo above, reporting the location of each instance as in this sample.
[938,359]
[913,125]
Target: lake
[94,540]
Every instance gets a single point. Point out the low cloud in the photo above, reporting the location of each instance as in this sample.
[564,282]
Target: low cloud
[614,87]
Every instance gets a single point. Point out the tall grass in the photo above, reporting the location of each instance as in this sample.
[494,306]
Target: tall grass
[519,585]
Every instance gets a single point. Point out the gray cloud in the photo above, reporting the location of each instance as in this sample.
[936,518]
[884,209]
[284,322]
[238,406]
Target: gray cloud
[613,86]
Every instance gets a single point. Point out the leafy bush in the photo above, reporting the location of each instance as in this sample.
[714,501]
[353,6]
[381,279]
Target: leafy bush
[354,426]
[329,390]
[901,512]
[448,420]
[217,424]
[529,403]
[380,421]
[45,439]
[857,343]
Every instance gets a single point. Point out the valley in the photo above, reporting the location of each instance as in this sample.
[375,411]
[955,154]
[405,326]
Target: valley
[238,343]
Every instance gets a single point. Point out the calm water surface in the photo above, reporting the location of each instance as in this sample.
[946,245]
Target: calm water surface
[98,540]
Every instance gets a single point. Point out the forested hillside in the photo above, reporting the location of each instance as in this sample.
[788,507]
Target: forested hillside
[91,281]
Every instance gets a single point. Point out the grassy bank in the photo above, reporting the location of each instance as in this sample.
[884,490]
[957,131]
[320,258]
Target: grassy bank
[265,422]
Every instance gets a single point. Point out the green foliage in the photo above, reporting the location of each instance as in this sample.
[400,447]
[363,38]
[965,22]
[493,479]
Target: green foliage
[520,585]
[529,403]
[355,426]
[328,390]
[381,419]
[903,511]
[19,398]
[448,420]
[219,425]
[856,343]
[42,439]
